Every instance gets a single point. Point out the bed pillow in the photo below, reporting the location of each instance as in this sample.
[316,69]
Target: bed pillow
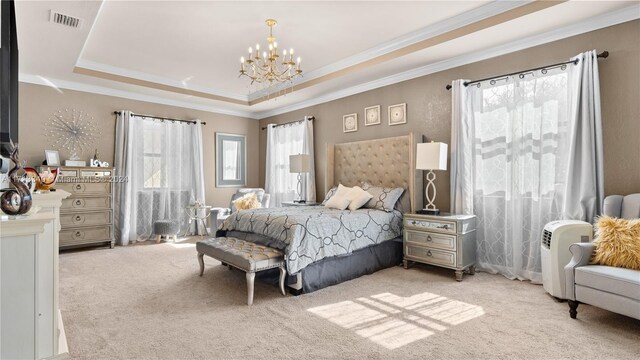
[404,204]
[383,198]
[330,193]
[248,201]
[338,202]
[358,198]
[617,243]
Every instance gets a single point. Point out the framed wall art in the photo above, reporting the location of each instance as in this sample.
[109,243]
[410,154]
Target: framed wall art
[398,114]
[372,115]
[350,123]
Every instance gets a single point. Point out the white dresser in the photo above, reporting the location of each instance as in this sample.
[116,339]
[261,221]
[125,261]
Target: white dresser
[30,321]
[444,240]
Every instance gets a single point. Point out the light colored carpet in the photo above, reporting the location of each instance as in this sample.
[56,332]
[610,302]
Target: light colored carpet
[148,301]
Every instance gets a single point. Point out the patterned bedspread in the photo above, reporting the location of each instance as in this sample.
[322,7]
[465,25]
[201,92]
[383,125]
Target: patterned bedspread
[312,233]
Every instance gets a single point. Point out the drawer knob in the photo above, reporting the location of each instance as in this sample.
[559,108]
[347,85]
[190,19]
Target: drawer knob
[78,233]
[78,218]
[413,222]
[429,238]
[429,253]
[78,202]
[445,226]
[78,187]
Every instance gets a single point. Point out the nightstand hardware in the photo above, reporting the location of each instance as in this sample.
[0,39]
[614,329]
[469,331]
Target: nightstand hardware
[429,253]
[429,238]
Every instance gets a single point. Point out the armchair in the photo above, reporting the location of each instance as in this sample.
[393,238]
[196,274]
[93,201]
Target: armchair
[263,197]
[611,288]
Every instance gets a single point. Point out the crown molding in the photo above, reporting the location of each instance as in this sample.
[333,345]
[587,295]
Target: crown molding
[101,90]
[609,19]
[150,78]
[444,26]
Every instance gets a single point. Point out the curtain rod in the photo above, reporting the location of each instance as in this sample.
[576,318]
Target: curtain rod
[161,118]
[603,55]
[293,122]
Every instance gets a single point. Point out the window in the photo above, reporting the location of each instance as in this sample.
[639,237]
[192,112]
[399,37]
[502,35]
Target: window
[153,159]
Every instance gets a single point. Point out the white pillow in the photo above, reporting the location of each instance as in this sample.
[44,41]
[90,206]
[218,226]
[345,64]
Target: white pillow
[342,190]
[358,198]
[338,202]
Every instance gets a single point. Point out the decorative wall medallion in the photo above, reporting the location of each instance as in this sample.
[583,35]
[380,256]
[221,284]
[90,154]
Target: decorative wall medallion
[398,114]
[350,123]
[372,115]
[72,130]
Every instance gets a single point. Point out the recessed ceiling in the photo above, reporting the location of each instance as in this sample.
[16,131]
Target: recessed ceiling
[187,53]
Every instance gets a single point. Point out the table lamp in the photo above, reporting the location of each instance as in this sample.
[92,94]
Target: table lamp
[300,163]
[431,156]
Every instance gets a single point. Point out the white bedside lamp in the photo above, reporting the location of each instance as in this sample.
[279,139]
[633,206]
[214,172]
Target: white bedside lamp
[431,156]
[300,163]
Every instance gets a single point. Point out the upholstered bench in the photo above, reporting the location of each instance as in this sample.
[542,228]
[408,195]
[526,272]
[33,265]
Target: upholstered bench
[246,256]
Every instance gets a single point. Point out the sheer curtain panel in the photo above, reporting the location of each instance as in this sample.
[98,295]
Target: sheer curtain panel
[525,152]
[163,162]
[282,141]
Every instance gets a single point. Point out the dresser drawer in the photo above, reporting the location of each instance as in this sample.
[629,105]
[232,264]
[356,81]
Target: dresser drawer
[437,225]
[435,240]
[430,255]
[85,203]
[86,188]
[85,236]
[86,218]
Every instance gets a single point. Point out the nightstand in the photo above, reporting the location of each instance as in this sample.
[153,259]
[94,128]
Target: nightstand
[291,203]
[444,240]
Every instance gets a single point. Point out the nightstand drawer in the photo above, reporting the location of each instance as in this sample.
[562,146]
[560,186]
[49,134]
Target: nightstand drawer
[429,255]
[440,241]
[442,226]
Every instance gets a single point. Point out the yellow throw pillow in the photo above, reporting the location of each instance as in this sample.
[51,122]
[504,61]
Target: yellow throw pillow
[248,201]
[617,243]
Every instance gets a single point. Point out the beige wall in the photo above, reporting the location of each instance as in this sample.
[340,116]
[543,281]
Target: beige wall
[38,103]
[429,105]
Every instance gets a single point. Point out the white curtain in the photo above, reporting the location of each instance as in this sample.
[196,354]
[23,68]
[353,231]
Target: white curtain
[163,164]
[282,141]
[518,145]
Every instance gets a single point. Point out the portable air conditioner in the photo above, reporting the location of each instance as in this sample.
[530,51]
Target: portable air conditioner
[557,236]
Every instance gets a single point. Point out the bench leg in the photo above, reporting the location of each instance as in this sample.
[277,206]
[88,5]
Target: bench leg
[250,281]
[201,261]
[283,275]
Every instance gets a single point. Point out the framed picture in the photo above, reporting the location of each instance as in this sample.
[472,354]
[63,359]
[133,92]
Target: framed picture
[52,158]
[398,114]
[372,115]
[231,160]
[350,123]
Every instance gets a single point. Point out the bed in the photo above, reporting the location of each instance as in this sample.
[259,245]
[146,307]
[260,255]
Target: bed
[324,246]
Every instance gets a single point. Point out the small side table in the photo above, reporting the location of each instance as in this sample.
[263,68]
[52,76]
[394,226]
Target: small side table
[308,203]
[443,240]
[194,215]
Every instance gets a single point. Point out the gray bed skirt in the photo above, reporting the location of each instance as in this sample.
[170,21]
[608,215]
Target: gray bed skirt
[333,270]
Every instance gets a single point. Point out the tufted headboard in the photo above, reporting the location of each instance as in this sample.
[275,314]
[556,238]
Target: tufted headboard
[388,162]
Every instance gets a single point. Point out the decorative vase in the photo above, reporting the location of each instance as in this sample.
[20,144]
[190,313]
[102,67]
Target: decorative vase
[44,181]
[16,201]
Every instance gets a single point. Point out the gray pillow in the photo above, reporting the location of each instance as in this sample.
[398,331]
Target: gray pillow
[330,193]
[383,198]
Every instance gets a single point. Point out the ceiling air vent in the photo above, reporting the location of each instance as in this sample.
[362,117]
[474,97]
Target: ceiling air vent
[65,20]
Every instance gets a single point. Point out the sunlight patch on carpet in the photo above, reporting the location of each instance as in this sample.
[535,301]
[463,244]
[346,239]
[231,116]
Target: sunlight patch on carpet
[394,321]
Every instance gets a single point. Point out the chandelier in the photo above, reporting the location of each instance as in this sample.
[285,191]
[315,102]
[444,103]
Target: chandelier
[272,67]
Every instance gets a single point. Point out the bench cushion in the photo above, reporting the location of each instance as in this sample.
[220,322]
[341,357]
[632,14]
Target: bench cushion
[241,254]
[620,281]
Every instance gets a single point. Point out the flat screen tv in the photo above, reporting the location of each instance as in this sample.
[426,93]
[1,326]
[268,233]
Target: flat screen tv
[8,77]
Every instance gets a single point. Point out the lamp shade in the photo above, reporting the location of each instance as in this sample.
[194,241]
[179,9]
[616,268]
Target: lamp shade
[300,163]
[431,156]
